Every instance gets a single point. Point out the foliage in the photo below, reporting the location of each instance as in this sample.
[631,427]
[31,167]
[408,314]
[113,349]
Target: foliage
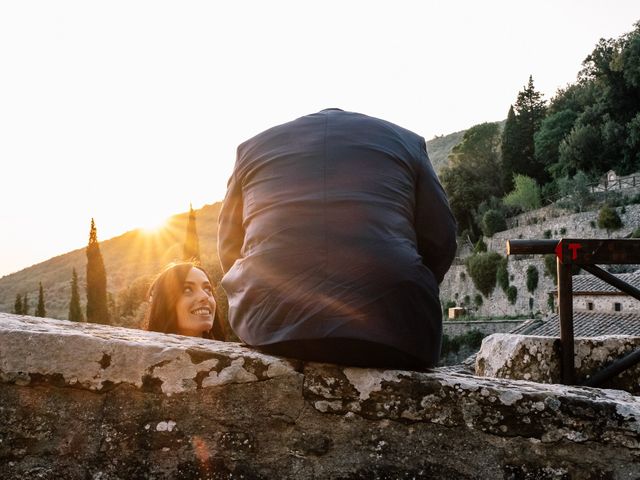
[532,278]
[604,103]
[17,305]
[546,234]
[518,146]
[635,233]
[525,195]
[75,311]
[471,339]
[470,176]
[477,300]
[575,191]
[482,269]
[130,298]
[96,281]
[480,246]
[512,294]
[551,302]
[609,219]
[502,274]
[492,222]
[25,304]
[191,249]
[550,267]
[40,310]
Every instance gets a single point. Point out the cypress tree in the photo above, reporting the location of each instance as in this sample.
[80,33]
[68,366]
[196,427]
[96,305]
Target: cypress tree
[25,304]
[40,311]
[17,306]
[518,146]
[191,250]
[96,281]
[75,312]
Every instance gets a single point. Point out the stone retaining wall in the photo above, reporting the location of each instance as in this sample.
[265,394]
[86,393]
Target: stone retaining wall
[457,283]
[82,401]
[485,327]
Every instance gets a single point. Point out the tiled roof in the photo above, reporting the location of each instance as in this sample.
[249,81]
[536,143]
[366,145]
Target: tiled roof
[585,324]
[590,283]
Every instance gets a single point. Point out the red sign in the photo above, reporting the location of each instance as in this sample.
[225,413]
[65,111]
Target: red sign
[574,247]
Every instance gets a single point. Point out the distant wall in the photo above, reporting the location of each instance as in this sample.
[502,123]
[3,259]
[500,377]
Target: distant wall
[457,283]
[488,327]
[85,401]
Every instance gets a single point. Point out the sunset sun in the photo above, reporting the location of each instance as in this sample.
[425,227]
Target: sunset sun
[151,222]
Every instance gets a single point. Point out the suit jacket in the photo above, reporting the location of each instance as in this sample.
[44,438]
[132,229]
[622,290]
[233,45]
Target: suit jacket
[335,225]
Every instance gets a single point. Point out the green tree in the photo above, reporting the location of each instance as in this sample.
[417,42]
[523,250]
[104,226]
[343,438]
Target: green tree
[469,178]
[575,191]
[96,281]
[525,195]
[75,311]
[25,304]
[17,305]
[191,250]
[518,145]
[40,310]
[609,219]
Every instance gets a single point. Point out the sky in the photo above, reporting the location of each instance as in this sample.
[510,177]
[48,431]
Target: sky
[128,111]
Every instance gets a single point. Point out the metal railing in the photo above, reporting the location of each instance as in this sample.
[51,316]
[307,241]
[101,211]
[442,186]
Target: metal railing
[587,254]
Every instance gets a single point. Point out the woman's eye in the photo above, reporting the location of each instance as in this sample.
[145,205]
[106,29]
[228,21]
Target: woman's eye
[187,290]
[208,290]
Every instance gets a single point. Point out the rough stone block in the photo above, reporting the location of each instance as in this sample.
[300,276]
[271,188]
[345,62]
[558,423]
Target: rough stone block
[523,357]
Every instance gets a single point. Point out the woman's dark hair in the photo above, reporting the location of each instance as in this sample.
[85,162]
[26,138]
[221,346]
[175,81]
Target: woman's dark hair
[163,295]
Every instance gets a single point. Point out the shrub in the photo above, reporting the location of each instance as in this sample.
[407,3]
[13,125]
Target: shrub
[463,276]
[477,300]
[512,294]
[551,302]
[547,234]
[532,278]
[502,274]
[530,303]
[636,233]
[492,222]
[480,246]
[482,269]
[471,339]
[563,231]
[466,300]
[609,219]
[592,223]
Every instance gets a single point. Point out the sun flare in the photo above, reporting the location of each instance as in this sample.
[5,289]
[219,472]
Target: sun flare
[153,223]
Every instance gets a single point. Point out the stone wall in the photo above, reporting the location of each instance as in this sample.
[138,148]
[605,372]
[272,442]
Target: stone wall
[459,327]
[457,283]
[96,402]
[524,357]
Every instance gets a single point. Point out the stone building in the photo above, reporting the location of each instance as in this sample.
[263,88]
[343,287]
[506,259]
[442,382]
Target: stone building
[590,294]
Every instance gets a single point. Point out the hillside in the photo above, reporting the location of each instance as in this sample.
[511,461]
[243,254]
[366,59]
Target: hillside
[127,257]
[439,148]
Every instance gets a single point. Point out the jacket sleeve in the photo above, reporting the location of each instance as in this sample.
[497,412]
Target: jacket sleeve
[434,222]
[230,228]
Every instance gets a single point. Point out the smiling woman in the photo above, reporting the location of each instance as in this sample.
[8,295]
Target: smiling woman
[182,302]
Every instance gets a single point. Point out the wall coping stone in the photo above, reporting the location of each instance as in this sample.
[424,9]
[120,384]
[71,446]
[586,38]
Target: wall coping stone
[44,358]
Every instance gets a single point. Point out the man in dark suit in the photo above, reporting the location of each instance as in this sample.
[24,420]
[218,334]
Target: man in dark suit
[334,236]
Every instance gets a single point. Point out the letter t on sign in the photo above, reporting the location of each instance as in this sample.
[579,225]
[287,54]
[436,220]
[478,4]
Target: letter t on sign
[573,247]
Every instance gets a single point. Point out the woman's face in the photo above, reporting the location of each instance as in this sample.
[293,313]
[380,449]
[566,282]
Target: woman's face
[196,306]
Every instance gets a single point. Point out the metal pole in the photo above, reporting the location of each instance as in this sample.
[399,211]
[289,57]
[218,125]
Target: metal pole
[565,307]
